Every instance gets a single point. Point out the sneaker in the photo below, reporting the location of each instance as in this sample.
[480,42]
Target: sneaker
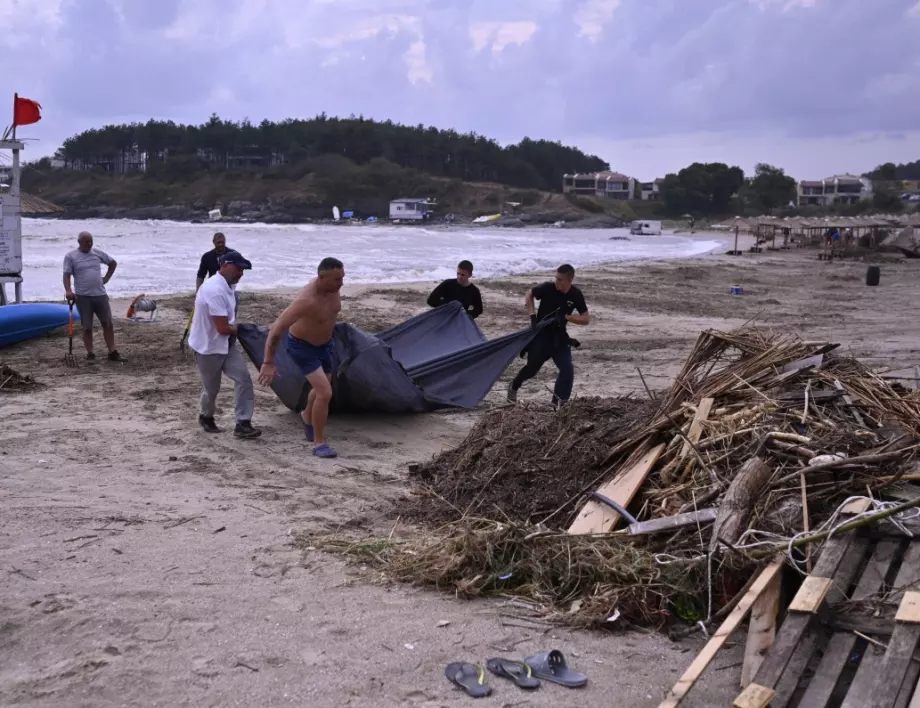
[512,394]
[244,429]
[115,356]
[90,356]
[207,422]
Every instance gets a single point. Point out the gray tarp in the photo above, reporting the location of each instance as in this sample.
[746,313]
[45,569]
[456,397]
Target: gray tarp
[437,359]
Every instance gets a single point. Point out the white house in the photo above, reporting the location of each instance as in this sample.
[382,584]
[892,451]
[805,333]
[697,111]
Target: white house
[411,209]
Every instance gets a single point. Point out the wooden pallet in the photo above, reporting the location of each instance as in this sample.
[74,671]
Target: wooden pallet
[849,635]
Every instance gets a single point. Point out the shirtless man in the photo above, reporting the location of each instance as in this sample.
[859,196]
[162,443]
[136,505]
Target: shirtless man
[310,320]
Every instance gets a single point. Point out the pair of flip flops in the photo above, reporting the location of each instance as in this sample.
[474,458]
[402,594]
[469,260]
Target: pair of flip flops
[548,666]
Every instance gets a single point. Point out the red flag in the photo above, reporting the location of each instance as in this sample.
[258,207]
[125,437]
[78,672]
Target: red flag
[26,111]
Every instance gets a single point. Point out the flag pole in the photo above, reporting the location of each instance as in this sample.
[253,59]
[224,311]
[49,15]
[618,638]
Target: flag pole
[15,101]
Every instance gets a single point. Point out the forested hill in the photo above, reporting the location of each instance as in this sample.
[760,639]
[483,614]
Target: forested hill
[221,145]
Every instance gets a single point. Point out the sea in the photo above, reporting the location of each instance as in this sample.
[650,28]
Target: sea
[161,257]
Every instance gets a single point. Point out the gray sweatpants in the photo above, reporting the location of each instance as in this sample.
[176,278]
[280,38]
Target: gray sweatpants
[211,366]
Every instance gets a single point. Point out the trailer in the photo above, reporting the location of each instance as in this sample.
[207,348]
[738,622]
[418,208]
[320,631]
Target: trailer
[645,228]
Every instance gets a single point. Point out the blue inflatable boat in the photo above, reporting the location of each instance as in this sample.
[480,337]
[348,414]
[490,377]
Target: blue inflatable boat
[21,322]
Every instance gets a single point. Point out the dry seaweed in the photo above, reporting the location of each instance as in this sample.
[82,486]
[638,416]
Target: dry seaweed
[521,463]
[497,507]
[11,380]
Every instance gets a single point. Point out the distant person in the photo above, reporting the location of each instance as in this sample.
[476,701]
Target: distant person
[209,263]
[88,292]
[310,322]
[213,339]
[459,289]
[558,300]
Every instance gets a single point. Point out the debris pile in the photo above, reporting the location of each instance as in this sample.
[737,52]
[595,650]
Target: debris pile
[753,450]
[12,380]
[524,463]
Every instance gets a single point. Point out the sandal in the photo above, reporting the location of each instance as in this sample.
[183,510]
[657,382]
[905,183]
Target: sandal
[516,671]
[324,451]
[470,677]
[551,666]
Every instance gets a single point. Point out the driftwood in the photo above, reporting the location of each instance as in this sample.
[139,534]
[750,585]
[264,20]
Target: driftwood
[738,501]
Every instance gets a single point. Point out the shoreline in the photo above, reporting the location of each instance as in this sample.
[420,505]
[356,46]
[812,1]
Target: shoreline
[353,289]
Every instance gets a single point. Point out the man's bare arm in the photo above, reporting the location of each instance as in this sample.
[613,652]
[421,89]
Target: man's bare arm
[223,326]
[108,273]
[291,314]
[582,319]
[531,309]
[67,289]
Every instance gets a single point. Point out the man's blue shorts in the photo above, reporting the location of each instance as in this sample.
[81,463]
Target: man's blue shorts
[309,357]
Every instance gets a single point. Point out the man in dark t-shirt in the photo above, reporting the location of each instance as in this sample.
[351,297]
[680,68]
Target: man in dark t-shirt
[209,265]
[459,289]
[559,299]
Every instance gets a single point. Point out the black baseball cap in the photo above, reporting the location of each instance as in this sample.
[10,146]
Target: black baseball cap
[235,258]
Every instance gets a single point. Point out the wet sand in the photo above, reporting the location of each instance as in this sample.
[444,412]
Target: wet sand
[145,563]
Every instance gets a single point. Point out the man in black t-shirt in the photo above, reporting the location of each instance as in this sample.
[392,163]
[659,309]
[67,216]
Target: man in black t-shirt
[209,265]
[558,300]
[459,289]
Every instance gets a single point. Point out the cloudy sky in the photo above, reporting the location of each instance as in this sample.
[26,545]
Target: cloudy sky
[814,86]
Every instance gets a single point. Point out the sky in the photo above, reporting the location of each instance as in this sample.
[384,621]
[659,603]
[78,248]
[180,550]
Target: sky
[817,87]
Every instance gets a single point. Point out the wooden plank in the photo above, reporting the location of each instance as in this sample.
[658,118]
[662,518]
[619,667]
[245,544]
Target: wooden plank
[815,361]
[669,523]
[832,663]
[895,664]
[735,617]
[864,681]
[596,517]
[908,575]
[761,630]
[876,570]
[696,426]
[754,696]
[857,506]
[811,594]
[795,624]
[909,609]
[909,685]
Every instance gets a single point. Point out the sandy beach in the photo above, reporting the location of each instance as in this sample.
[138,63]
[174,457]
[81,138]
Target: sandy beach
[145,563]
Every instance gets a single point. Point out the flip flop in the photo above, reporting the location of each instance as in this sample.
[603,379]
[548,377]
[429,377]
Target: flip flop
[308,431]
[324,451]
[470,677]
[517,671]
[551,666]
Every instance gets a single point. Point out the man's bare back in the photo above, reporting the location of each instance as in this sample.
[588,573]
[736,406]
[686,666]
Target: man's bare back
[316,314]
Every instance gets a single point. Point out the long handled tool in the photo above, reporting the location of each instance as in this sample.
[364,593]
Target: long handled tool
[69,361]
[188,326]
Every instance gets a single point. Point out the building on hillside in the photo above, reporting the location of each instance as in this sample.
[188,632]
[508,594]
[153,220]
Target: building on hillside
[650,191]
[834,191]
[407,209]
[611,185]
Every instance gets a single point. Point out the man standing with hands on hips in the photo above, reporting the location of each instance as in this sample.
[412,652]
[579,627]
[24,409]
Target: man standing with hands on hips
[558,300]
[213,339]
[88,292]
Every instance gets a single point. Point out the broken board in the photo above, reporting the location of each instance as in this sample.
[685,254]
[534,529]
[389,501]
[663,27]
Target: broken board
[596,517]
[865,584]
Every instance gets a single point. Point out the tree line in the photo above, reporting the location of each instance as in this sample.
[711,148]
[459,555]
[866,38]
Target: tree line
[220,144]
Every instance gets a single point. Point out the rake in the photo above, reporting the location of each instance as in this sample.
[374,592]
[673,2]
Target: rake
[188,326]
[69,361]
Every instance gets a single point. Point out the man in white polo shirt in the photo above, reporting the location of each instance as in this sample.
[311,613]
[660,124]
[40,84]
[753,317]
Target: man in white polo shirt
[212,337]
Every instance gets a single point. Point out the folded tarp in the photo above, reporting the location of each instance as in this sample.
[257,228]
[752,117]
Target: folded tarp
[438,359]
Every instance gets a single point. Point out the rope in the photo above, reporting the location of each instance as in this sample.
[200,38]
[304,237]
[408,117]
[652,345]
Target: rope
[752,538]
